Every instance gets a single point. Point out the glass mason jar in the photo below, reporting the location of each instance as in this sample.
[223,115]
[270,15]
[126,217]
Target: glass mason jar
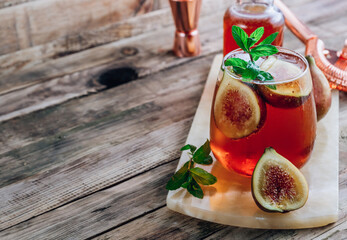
[249,15]
[249,116]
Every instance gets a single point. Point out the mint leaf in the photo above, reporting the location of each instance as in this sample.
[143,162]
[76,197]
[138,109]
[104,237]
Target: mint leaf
[263,50]
[188,176]
[206,161]
[239,70]
[189,180]
[252,71]
[202,152]
[264,76]
[188,147]
[257,34]
[272,87]
[236,62]
[178,178]
[195,189]
[203,177]
[240,37]
[250,42]
[269,39]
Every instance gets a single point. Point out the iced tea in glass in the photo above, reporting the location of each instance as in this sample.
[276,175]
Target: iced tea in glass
[249,116]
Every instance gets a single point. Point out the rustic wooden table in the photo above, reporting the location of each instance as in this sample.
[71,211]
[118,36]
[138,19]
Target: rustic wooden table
[94,107]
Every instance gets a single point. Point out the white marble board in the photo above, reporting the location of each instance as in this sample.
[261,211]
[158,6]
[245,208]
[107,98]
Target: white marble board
[229,201]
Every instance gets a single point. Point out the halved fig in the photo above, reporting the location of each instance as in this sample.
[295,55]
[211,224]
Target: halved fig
[277,185]
[238,110]
[287,94]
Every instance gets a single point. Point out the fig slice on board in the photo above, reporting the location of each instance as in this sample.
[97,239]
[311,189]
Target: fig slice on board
[277,185]
[238,110]
[287,94]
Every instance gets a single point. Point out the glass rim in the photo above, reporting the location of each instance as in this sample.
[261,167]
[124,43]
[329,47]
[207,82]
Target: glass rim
[259,82]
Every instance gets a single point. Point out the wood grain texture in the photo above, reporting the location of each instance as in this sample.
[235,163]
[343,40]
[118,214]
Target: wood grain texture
[78,82]
[29,72]
[176,226]
[78,160]
[95,61]
[98,147]
[10,3]
[98,212]
[40,22]
[72,36]
[156,20]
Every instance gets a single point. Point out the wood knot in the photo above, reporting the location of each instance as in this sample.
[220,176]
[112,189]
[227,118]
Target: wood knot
[129,51]
[117,76]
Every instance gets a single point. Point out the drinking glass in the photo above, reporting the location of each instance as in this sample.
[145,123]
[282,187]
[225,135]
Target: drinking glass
[249,116]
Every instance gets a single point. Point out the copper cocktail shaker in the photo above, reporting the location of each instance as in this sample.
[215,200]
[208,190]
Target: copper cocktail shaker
[186,16]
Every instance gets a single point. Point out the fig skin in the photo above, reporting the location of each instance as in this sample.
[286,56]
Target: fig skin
[238,110]
[321,89]
[288,180]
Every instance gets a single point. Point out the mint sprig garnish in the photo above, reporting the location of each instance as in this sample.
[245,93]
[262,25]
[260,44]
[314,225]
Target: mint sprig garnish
[189,176]
[250,70]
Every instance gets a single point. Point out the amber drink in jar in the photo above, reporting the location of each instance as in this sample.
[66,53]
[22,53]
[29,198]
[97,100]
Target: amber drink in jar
[249,15]
[247,117]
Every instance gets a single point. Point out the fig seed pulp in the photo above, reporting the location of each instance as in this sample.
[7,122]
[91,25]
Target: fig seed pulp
[277,185]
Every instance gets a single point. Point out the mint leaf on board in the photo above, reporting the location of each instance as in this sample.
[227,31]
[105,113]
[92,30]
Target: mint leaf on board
[202,153]
[188,176]
[195,189]
[189,180]
[240,37]
[202,176]
[206,161]
[190,147]
[269,39]
[178,178]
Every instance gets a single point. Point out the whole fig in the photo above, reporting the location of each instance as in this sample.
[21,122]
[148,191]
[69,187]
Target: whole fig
[321,89]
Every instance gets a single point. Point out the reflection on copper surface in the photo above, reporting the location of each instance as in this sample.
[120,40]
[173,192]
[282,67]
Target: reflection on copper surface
[335,69]
[186,16]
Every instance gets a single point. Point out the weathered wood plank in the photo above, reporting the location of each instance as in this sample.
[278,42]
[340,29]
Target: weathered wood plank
[10,3]
[44,94]
[73,36]
[11,138]
[105,210]
[39,22]
[83,39]
[87,38]
[165,224]
[42,70]
[100,211]
[99,167]
[104,151]
[81,82]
